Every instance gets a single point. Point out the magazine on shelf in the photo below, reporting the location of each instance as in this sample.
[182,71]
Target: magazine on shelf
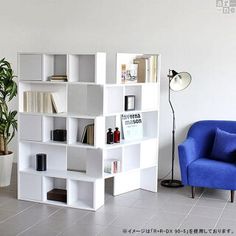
[132,126]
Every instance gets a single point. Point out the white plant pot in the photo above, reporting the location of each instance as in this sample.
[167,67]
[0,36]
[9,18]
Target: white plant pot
[5,169]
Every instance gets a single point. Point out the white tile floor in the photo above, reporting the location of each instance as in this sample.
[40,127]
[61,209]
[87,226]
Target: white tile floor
[169,209]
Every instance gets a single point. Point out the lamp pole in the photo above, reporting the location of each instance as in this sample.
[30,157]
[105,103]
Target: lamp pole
[172,183]
[173,129]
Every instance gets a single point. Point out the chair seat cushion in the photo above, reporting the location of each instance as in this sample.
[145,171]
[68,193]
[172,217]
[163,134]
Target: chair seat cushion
[224,147]
[210,173]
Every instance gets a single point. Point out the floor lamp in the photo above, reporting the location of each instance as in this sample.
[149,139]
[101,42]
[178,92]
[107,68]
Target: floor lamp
[177,82]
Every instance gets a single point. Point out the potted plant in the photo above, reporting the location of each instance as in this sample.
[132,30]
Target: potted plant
[8,122]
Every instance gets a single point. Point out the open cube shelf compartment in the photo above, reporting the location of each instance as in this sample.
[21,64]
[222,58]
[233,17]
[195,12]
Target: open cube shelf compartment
[51,183]
[54,64]
[56,156]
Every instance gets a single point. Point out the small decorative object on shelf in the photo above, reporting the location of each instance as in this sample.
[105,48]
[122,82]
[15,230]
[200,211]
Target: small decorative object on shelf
[129,73]
[58,135]
[112,166]
[117,135]
[110,136]
[56,194]
[41,162]
[129,103]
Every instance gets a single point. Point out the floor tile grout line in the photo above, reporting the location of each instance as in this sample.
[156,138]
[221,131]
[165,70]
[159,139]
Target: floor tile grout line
[107,226]
[221,214]
[186,216]
[3,221]
[37,222]
[59,233]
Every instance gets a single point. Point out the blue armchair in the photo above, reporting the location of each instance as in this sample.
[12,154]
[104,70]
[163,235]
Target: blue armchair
[198,168]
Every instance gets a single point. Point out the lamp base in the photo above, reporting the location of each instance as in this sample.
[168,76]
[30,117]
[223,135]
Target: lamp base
[171,183]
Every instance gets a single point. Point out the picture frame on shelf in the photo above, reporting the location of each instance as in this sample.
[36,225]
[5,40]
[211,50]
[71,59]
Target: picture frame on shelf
[129,102]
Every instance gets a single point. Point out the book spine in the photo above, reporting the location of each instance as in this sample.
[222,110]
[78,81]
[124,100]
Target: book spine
[39,101]
[33,106]
[155,69]
[26,101]
[47,103]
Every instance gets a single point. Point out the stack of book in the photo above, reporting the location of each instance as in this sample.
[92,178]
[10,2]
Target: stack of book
[43,102]
[58,78]
[143,69]
[147,68]
[88,135]
[112,166]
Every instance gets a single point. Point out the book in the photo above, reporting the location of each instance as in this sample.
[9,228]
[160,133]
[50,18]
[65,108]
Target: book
[147,68]
[39,100]
[58,78]
[132,126]
[29,101]
[84,135]
[152,70]
[57,102]
[112,166]
[88,135]
[36,101]
[154,77]
[26,101]
[141,70]
[47,103]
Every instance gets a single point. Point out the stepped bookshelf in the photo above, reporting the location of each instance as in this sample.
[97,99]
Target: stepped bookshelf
[86,98]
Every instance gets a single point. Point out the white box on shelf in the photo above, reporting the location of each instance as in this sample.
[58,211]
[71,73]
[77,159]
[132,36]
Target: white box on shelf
[30,187]
[30,67]
[29,123]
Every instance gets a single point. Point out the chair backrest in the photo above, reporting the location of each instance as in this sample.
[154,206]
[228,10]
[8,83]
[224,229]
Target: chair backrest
[204,133]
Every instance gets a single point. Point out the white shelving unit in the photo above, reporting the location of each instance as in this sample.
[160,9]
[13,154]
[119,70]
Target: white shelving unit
[72,165]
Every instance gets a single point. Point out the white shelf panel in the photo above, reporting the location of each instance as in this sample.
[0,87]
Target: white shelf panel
[130,112]
[55,143]
[59,82]
[130,84]
[43,82]
[58,203]
[81,145]
[73,175]
[127,143]
[86,83]
[62,114]
[82,205]
[107,175]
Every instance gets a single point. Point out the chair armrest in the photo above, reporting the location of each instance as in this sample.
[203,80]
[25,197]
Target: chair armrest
[187,154]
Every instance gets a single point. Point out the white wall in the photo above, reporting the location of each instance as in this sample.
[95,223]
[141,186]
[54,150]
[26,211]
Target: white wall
[191,35]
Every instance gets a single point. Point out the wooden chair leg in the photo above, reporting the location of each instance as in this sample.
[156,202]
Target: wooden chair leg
[232,195]
[193,191]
